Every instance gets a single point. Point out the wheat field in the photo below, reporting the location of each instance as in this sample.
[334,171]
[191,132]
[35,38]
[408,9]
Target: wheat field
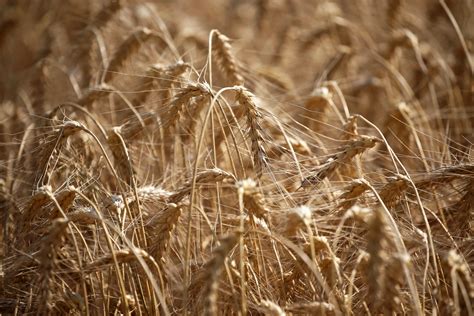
[225,157]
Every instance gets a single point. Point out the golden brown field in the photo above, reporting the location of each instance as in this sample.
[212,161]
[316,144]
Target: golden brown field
[225,157]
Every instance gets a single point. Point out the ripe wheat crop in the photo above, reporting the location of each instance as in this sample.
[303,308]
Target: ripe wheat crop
[246,157]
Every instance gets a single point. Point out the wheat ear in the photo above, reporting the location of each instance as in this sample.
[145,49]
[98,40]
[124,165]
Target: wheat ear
[206,176]
[351,193]
[121,155]
[271,309]
[166,76]
[100,20]
[344,156]
[122,256]
[253,199]
[296,219]
[247,100]
[95,93]
[47,151]
[47,259]
[392,191]
[125,51]
[310,308]
[160,227]
[393,10]
[223,53]
[65,199]
[213,270]
[376,268]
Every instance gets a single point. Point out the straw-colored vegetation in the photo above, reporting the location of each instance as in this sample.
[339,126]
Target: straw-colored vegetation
[245,157]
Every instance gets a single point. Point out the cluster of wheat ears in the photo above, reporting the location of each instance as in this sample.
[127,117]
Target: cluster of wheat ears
[245,157]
